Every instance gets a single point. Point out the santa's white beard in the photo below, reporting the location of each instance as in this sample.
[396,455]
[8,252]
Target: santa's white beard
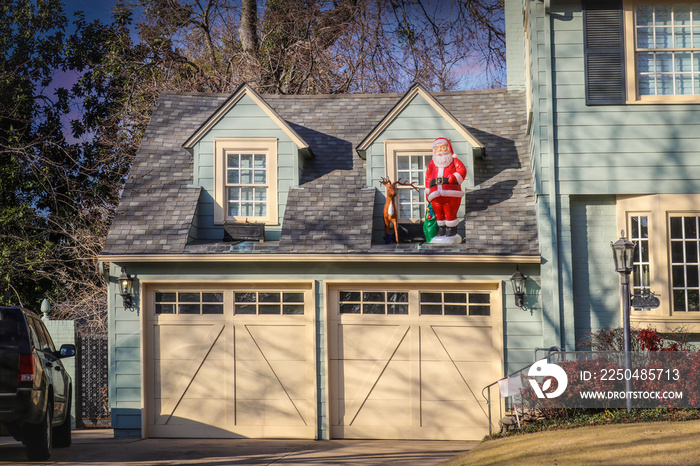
[442,160]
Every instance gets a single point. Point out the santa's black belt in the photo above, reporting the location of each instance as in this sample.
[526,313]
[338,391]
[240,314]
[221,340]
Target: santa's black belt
[440,180]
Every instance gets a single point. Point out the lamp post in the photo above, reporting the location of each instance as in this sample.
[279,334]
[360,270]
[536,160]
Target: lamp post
[623,256]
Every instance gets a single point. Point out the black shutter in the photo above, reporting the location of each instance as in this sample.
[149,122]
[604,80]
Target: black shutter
[604,52]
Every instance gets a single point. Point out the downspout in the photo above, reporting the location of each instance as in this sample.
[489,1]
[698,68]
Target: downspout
[555,313]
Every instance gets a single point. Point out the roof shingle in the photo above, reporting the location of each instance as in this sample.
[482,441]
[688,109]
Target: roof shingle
[158,204]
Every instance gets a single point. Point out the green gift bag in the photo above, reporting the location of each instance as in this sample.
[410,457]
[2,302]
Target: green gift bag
[430,226]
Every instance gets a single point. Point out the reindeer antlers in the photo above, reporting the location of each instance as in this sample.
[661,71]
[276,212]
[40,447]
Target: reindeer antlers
[405,183]
[387,181]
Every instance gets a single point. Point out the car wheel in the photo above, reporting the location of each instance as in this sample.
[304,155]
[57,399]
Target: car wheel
[38,438]
[62,434]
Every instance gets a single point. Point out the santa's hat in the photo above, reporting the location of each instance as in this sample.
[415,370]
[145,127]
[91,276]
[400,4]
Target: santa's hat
[439,141]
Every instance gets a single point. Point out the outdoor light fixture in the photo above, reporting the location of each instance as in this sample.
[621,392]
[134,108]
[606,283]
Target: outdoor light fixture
[126,283]
[518,282]
[623,256]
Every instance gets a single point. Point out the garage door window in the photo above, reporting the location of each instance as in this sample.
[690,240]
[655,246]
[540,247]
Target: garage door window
[269,303]
[373,302]
[189,302]
[455,304]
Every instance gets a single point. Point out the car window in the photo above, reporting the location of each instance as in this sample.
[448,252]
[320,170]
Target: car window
[47,336]
[32,334]
[42,343]
[13,333]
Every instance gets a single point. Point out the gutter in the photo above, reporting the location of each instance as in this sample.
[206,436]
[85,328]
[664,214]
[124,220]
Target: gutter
[320,258]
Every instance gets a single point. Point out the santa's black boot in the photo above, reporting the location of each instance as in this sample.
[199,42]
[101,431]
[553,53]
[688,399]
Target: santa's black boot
[441,231]
[451,231]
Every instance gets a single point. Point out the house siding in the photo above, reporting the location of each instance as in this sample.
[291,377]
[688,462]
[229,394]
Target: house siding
[515,50]
[596,284]
[245,120]
[124,363]
[616,149]
[522,327]
[540,112]
[582,158]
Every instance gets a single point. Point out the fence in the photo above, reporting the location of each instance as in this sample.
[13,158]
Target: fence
[93,381]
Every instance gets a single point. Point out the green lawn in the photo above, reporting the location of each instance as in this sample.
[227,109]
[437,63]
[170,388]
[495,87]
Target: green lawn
[646,443]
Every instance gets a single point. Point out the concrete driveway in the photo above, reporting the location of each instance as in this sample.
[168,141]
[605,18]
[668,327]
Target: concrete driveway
[97,447]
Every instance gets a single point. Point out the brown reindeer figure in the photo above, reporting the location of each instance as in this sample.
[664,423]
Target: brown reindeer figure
[390,210]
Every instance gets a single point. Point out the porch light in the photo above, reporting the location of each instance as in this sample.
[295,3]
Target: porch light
[518,282]
[622,254]
[126,284]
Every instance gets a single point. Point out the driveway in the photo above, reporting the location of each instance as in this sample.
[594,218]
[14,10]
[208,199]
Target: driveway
[97,447]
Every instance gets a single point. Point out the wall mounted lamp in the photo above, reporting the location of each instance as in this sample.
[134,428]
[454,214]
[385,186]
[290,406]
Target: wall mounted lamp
[126,284]
[518,282]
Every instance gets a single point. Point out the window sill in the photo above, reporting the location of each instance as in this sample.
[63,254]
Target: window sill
[665,100]
[690,323]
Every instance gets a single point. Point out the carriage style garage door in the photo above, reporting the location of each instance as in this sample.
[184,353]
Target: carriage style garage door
[230,361]
[410,361]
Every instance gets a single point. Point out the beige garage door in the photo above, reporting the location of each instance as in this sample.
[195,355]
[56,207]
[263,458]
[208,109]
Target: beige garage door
[230,362]
[409,362]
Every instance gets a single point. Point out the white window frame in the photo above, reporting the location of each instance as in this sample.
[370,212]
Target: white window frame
[397,148]
[631,71]
[222,146]
[644,281]
[660,208]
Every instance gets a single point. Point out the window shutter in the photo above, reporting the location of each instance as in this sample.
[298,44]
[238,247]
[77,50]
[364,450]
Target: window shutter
[604,52]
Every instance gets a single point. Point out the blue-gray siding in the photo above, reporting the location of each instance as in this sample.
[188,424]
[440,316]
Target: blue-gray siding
[245,120]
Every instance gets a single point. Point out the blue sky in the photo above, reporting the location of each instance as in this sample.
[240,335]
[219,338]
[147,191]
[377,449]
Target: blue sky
[94,9]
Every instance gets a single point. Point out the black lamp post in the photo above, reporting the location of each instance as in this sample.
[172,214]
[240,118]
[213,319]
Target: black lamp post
[623,256]
[518,282]
[126,283]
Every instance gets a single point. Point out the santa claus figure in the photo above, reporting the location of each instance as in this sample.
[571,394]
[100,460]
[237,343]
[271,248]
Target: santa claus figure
[443,180]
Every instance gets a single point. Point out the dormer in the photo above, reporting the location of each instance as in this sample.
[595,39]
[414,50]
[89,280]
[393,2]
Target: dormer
[400,146]
[246,159]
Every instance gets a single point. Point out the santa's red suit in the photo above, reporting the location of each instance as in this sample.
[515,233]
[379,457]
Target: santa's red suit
[443,179]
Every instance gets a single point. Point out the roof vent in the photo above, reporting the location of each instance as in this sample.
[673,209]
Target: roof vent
[236,231]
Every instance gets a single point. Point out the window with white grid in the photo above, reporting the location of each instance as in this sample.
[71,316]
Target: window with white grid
[639,234]
[245,180]
[667,48]
[410,168]
[246,184]
[685,263]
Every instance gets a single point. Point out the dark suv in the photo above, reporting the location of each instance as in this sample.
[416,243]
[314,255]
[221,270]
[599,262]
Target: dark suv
[35,390]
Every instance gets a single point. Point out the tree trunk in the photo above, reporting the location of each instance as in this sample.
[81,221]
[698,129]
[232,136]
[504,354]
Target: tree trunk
[247,29]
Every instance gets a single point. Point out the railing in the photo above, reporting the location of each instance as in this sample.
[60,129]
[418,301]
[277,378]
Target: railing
[518,373]
[487,396]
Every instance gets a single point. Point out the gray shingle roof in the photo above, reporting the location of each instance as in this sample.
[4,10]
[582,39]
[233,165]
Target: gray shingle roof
[500,214]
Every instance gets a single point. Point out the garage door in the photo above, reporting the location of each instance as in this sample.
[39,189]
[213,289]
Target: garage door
[230,362]
[410,362]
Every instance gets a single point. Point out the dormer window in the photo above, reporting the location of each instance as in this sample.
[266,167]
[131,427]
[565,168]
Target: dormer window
[246,180]
[246,185]
[406,161]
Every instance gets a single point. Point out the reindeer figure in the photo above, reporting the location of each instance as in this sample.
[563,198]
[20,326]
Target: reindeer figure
[390,210]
